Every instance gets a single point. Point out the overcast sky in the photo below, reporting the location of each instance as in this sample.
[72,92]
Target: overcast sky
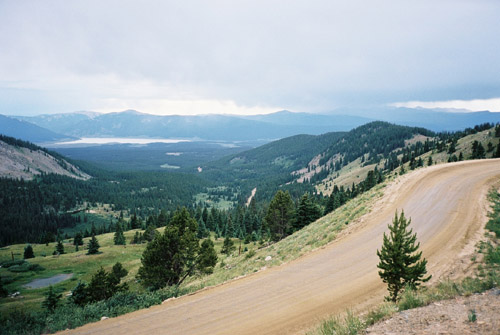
[186,57]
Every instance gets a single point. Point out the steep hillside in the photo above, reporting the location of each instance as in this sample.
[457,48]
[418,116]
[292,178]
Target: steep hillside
[298,162]
[28,131]
[417,151]
[23,160]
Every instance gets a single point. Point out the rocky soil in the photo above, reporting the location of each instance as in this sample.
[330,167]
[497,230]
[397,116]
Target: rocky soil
[447,317]
[24,163]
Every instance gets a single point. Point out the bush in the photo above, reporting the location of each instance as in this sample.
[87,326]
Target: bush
[350,324]
[250,254]
[25,267]
[380,313]
[72,316]
[8,264]
[410,299]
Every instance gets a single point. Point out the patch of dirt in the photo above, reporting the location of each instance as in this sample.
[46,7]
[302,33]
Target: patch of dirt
[447,317]
[249,200]
[24,163]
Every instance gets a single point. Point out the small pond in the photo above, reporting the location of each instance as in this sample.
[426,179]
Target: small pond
[44,282]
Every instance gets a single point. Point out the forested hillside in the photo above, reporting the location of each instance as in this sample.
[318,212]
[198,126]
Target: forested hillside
[273,165]
[29,210]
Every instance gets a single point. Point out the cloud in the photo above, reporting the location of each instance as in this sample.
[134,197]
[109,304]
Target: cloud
[180,107]
[313,55]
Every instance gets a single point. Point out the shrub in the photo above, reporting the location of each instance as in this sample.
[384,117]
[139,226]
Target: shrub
[380,313]
[28,252]
[250,254]
[410,299]
[8,264]
[349,324]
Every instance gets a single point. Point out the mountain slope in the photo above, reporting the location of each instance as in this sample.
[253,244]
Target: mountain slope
[23,160]
[59,123]
[285,161]
[292,297]
[28,131]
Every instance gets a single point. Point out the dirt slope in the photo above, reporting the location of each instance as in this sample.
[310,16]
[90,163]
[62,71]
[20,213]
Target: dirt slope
[447,206]
[24,163]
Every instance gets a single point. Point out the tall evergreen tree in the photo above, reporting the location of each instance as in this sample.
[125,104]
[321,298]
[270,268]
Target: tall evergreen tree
[400,264]
[228,246]
[207,257]
[307,212]
[78,240]
[134,223]
[162,218]
[93,246]
[119,238]
[60,247]
[280,215]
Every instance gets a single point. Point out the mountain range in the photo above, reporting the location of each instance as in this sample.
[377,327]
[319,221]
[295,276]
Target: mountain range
[28,131]
[215,127]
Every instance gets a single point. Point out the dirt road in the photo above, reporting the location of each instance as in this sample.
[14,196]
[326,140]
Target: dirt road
[447,206]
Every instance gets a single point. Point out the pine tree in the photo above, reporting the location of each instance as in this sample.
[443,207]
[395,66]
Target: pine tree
[98,288]
[104,285]
[307,212]
[51,300]
[78,240]
[93,246]
[134,223]
[79,295]
[429,161]
[207,257]
[400,262]
[28,252]
[280,215]
[60,247]
[119,238]
[172,256]
[228,246]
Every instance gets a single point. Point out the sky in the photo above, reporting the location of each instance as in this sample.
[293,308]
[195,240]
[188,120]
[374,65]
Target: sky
[247,57]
